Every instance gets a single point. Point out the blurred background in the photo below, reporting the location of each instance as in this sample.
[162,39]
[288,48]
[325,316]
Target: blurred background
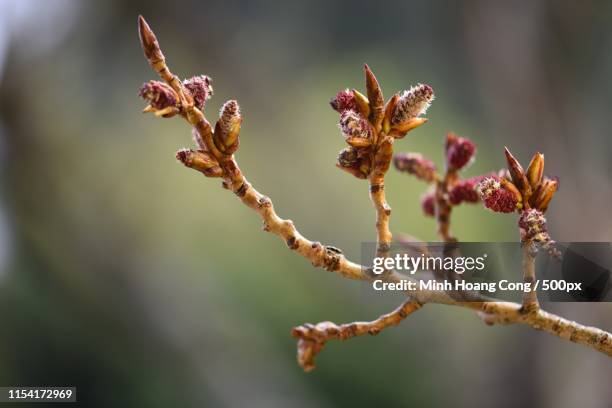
[143,283]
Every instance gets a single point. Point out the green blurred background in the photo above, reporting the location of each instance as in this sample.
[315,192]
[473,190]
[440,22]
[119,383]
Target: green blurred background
[145,284]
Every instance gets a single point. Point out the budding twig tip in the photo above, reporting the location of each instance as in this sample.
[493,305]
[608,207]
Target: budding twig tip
[509,156]
[148,41]
[143,27]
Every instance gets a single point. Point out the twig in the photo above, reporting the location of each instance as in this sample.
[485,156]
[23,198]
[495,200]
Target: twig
[215,159]
[327,257]
[312,338]
[530,297]
[382,160]
[511,313]
[444,208]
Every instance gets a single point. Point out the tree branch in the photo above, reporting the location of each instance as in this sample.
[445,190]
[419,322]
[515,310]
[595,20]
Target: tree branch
[382,160]
[513,313]
[444,208]
[215,159]
[530,298]
[312,338]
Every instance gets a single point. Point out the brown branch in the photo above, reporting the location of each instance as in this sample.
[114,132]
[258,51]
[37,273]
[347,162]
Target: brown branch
[327,257]
[513,313]
[312,338]
[444,208]
[382,161]
[530,298]
[219,162]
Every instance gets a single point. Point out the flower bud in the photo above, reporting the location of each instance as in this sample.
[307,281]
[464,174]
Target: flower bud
[412,103]
[227,128]
[160,97]
[356,129]
[200,88]
[149,43]
[415,164]
[343,101]
[428,204]
[459,151]
[464,191]
[518,175]
[200,161]
[497,198]
[544,193]
[535,170]
[532,224]
[507,185]
[350,161]
[375,97]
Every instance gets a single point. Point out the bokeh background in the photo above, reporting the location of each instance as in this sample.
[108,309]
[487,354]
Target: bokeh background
[145,284]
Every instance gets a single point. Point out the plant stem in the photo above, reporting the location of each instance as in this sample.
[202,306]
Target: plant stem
[530,298]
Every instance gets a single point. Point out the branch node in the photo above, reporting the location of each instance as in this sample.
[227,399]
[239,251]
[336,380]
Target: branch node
[292,243]
[264,202]
[241,191]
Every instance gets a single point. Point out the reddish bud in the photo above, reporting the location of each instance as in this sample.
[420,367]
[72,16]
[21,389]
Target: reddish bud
[459,151]
[158,94]
[201,161]
[532,225]
[518,175]
[415,164]
[149,43]
[350,160]
[412,103]
[348,157]
[343,101]
[464,191]
[200,88]
[356,129]
[497,198]
[428,204]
